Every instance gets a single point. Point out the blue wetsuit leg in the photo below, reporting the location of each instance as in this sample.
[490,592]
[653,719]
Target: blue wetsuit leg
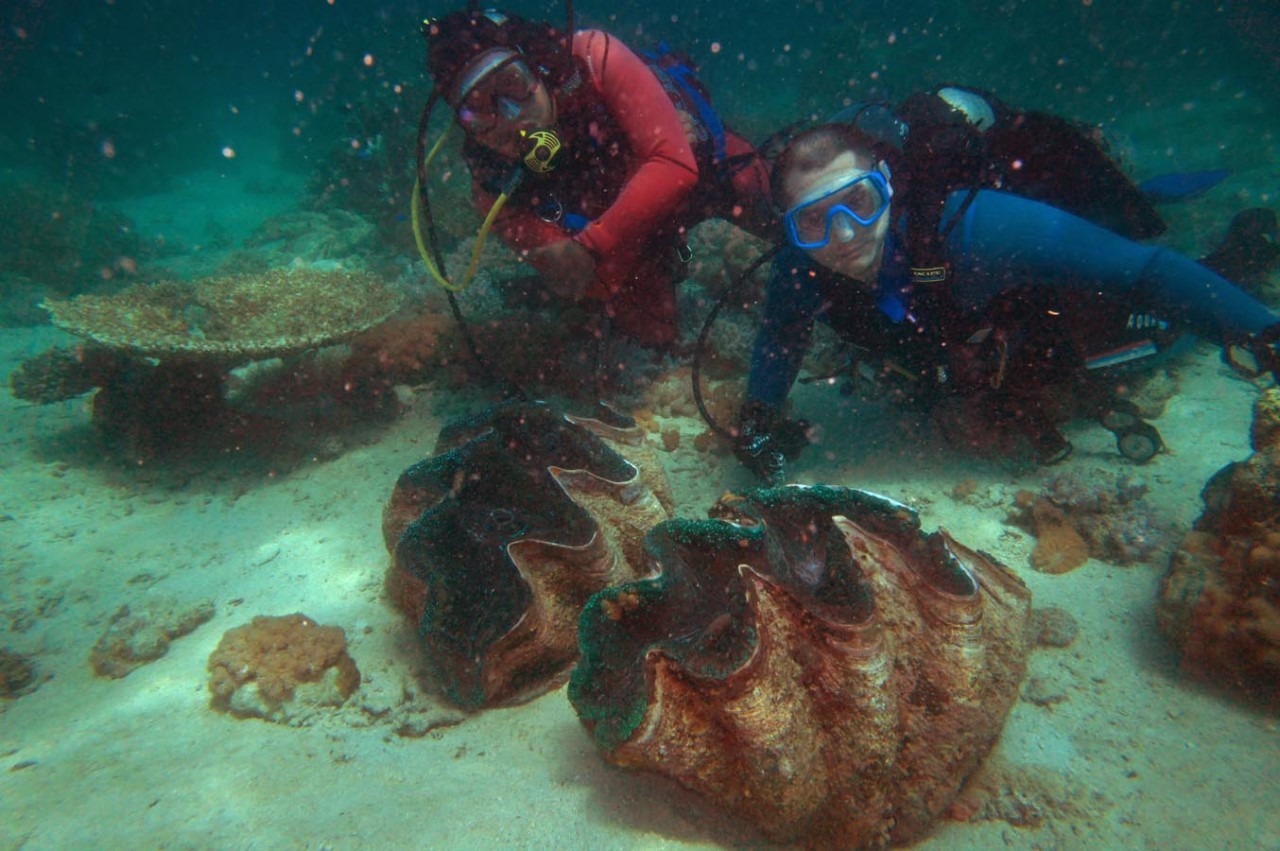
[1004,240]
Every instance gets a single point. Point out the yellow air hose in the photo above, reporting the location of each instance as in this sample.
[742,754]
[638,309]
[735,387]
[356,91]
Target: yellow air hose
[483,234]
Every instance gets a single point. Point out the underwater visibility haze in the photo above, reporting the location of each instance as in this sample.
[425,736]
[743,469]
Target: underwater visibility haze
[304,547]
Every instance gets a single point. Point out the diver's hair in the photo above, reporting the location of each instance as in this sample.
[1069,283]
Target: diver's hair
[813,149]
[457,38]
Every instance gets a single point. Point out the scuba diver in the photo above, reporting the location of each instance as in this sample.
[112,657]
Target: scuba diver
[916,234]
[592,161]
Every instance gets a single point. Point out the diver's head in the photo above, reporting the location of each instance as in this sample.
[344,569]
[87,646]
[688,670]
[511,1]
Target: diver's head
[497,72]
[834,192]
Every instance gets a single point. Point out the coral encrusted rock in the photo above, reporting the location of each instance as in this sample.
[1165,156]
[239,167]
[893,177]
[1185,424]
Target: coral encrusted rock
[141,632]
[500,538]
[281,669]
[810,661]
[1220,601]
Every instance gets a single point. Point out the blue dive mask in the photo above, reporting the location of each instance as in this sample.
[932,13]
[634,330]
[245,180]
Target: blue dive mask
[861,200]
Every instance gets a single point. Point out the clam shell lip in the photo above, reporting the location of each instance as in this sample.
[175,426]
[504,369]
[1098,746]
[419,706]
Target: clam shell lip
[862,620]
[560,473]
[950,577]
[871,498]
[1000,584]
[546,437]
[629,435]
[754,540]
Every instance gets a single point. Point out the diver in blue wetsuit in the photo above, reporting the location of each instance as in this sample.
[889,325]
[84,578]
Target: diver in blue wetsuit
[998,298]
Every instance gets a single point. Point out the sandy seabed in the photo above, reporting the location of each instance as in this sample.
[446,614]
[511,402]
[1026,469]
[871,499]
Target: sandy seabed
[1117,749]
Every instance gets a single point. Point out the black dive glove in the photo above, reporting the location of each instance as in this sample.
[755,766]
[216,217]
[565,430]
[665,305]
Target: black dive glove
[766,441]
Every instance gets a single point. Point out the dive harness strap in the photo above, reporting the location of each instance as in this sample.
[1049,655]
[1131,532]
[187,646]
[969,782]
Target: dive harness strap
[665,62]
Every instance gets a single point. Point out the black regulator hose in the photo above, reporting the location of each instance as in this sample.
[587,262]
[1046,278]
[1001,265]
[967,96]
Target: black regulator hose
[700,346]
[424,204]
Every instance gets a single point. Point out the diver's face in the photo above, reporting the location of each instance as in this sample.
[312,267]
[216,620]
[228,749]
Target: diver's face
[501,98]
[851,248]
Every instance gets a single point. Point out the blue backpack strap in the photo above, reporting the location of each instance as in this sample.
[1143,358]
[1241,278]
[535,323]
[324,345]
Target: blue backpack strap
[665,62]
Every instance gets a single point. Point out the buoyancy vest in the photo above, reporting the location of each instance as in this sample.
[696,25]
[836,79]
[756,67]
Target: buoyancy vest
[935,148]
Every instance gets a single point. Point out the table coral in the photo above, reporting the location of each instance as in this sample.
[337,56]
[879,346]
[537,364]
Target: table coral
[232,319]
[161,354]
[281,669]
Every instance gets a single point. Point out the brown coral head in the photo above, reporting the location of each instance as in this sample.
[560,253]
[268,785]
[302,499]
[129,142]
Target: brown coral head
[258,669]
[521,516]
[809,660]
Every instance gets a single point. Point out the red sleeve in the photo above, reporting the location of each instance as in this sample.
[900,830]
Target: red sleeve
[667,170]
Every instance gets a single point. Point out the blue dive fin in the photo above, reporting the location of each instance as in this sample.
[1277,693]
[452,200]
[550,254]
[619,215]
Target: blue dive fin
[1181,186]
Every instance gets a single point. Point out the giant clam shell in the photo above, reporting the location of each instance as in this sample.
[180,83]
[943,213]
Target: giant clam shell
[501,537]
[809,660]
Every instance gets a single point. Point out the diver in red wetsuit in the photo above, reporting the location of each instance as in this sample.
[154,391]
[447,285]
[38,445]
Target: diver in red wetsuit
[641,158]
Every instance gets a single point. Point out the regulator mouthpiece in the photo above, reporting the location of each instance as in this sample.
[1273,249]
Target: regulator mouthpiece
[544,150]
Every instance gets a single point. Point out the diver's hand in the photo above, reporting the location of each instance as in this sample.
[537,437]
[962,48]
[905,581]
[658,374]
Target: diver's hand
[567,266]
[759,454]
[765,441]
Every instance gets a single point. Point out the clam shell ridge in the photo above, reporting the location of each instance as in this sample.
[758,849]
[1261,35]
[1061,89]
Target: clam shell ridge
[501,537]
[809,660]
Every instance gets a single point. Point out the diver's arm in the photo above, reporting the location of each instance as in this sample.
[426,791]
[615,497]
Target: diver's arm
[785,333]
[1004,239]
[568,269]
[517,225]
[667,169]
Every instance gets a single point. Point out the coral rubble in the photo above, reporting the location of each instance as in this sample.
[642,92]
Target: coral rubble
[1103,516]
[61,373]
[17,674]
[142,633]
[809,660]
[1053,627]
